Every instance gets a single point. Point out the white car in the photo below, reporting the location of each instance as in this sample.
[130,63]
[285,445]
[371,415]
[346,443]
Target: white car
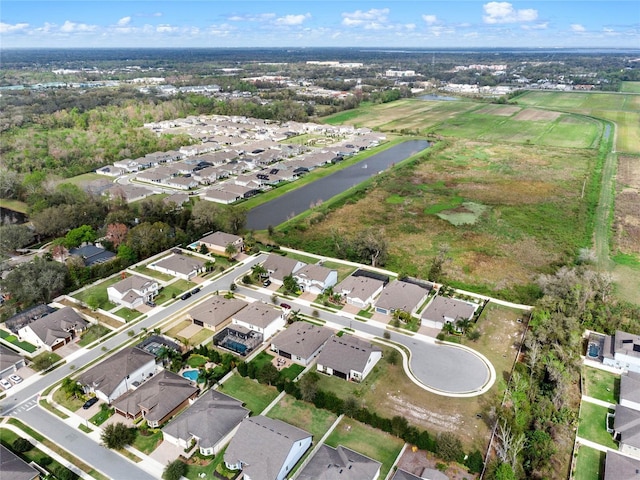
[4,384]
[15,378]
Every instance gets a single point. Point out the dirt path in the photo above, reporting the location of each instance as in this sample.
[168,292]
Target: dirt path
[602,227]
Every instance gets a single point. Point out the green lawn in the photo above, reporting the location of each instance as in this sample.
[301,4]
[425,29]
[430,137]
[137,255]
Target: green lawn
[368,441]
[102,416]
[630,87]
[173,290]
[165,277]
[201,336]
[7,437]
[45,360]
[177,328]
[255,396]
[592,426]
[343,270]
[262,359]
[93,333]
[26,346]
[589,464]
[147,444]
[127,314]
[98,293]
[210,464]
[303,415]
[196,361]
[301,257]
[71,403]
[602,385]
[292,371]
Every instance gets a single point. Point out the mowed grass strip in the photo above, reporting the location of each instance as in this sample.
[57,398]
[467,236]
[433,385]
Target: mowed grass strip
[303,415]
[98,293]
[368,441]
[602,385]
[593,421]
[589,464]
[255,396]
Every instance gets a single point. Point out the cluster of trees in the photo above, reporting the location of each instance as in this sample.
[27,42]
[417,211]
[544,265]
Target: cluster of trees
[446,445]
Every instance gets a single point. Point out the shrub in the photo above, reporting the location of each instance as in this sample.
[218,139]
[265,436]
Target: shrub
[21,445]
[174,470]
[450,447]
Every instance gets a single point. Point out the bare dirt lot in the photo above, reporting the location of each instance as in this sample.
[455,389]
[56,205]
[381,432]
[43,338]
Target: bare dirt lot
[627,211]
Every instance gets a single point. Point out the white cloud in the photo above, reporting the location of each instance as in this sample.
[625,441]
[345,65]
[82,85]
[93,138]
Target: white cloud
[261,17]
[8,28]
[576,27]
[537,26]
[124,21]
[293,19]
[503,12]
[73,27]
[166,28]
[430,19]
[372,19]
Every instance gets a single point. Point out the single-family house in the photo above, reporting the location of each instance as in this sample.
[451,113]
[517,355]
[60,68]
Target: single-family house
[315,278]
[54,330]
[622,350]
[133,291]
[158,399]
[626,430]
[348,357]
[359,291]
[219,241]
[215,312]
[221,196]
[339,463]
[10,361]
[399,295]
[630,390]
[128,193]
[301,342]
[211,421]
[442,310]
[620,467]
[14,468]
[266,449]
[119,373]
[177,199]
[92,254]
[279,267]
[182,183]
[178,265]
[260,317]
[243,191]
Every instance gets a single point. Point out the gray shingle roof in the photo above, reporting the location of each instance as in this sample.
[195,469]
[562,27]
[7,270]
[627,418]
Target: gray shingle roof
[621,467]
[444,307]
[220,239]
[346,353]
[181,264]
[210,419]
[57,325]
[258,314]
[280,266]
[159,395]
[8,358]
[14,468]
[216,309]
[400,296]
[133,282]
[301,339]
[630,387]
[106,375]
[316,273]
[627,423]
[262,445]
[359,287]
[625,343]
[339,464]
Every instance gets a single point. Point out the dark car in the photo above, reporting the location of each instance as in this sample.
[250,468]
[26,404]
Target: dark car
[195,290]
[89,403]
[185,296]
[286,306]
[266,283]
[151,304]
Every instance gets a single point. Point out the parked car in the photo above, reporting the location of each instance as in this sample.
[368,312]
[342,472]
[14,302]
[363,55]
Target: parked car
[266,283]
[286,306]
[4,384]
[15,378]
[89,403]
[195,290]
[151,304]
[185,295]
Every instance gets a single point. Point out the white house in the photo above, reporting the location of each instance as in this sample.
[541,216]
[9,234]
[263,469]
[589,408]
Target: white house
[301,342]
[443,310]
[178,265]
[261,318]
[266,449]
[348,357]
[53,330]
[622,351]
[133,291]
[315,278]
[359,291]
[119,373]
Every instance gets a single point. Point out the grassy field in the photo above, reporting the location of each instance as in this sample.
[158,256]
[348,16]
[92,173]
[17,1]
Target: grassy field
[525,203]
[255,396]
[99,293]
[368,441]
[602,385]
[303,415]
[630,87]
[592,425]
[589,464]
[93,333]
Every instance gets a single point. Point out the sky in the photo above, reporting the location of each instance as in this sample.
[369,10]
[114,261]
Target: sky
[322,23]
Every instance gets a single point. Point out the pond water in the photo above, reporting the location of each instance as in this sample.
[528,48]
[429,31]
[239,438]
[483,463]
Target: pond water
[297,201]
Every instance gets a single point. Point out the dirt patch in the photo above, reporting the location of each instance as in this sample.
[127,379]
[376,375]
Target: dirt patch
[415,462]
[498,110]
[531,114]
[627,213]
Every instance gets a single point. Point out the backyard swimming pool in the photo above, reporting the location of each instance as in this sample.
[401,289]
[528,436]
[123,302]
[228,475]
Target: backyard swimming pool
[594,350]
[191,375]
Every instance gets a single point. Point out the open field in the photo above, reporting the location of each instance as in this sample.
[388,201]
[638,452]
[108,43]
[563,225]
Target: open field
[303,415]
[621,108]
[627,213]
[630,87]
[368,441]
[98,293]
[255,396]
[589,465]
[602,385]
[527,205]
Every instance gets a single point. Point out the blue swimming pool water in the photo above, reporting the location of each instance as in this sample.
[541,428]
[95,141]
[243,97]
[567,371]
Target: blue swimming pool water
[191,375]
[594,350]
[236,346]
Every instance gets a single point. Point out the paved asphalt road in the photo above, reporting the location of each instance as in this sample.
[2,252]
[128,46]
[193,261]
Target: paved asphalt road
[113,465]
